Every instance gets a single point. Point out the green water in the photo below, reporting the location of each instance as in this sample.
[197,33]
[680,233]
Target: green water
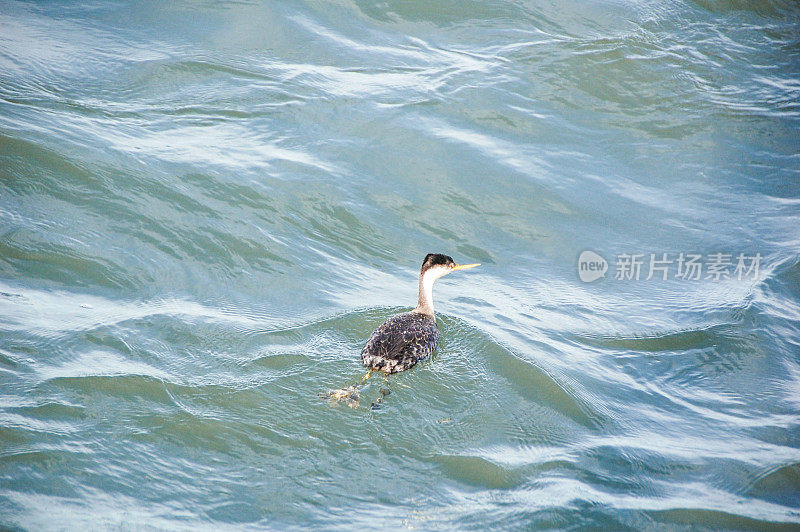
[207,207]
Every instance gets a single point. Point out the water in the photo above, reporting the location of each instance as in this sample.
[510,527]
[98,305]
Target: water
[206,208]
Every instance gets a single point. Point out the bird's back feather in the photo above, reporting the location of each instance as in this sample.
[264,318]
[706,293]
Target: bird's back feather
[400,342]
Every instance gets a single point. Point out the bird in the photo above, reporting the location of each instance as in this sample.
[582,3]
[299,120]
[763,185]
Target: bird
[405,339]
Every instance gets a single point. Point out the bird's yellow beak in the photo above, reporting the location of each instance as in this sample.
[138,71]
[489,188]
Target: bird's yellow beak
[465,266]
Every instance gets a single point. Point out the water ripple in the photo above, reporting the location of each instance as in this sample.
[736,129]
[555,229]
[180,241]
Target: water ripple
[206,208]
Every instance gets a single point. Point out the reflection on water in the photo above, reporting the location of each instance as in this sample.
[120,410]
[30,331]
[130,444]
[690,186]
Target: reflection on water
[207,208]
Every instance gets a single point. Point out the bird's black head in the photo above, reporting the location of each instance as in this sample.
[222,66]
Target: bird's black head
[436,259]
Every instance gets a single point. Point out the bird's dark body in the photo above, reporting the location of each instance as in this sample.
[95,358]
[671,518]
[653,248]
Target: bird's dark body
[400,342]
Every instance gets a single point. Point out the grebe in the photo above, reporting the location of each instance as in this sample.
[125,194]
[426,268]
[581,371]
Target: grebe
[405,339]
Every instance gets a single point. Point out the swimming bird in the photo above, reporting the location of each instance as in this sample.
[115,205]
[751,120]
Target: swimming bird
[405,339]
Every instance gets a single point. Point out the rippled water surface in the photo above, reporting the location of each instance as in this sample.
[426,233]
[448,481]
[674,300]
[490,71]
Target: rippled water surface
[206,208]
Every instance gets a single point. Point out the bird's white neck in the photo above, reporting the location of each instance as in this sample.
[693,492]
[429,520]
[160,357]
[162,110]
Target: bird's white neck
[425,302]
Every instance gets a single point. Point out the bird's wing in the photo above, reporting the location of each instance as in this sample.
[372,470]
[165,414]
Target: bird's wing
[401,332]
